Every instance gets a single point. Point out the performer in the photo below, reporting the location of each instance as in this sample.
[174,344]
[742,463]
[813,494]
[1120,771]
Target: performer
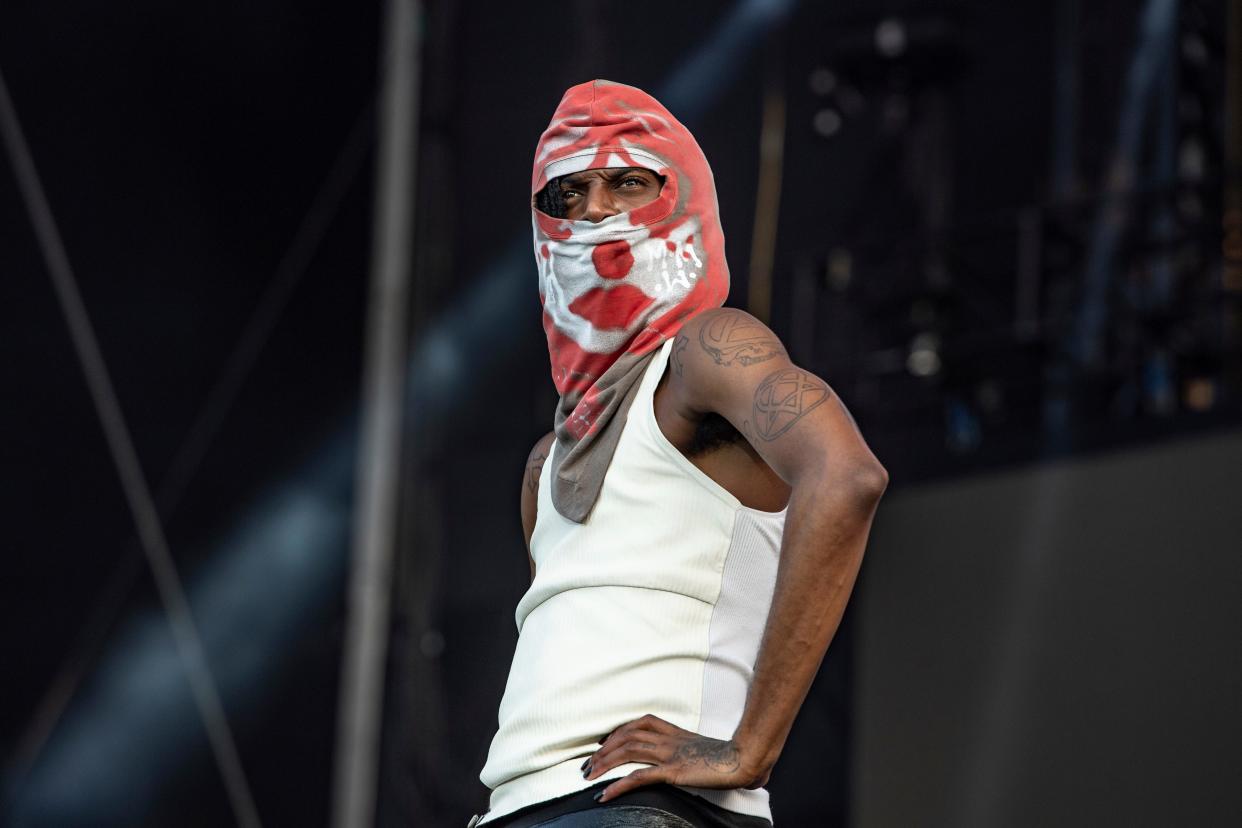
[696,519]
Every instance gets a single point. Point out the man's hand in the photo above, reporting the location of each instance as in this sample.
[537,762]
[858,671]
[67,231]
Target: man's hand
[676,756]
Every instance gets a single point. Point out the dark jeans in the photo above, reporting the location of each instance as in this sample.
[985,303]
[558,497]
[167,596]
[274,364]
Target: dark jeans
[622,816]
[653,806]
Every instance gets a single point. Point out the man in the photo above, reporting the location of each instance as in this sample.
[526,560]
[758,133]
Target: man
[696,519]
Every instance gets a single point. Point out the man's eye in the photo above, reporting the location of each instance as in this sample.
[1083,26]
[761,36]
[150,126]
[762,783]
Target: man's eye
[569,193]
[633,179]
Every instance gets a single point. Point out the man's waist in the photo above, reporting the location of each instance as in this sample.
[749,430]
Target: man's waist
[565,779]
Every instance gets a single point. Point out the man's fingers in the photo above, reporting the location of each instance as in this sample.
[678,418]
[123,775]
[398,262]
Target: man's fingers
[629,727]
[649,731]
[623,738]
[648,722]
[646,776]
[642,746]
[635,750]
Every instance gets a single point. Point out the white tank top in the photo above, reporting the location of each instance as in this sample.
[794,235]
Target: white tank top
[655,605]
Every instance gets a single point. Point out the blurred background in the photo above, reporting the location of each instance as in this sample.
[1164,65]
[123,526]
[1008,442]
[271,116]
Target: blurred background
[1008,234]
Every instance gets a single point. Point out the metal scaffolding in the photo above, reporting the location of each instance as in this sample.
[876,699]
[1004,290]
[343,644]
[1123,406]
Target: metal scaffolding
[378,471]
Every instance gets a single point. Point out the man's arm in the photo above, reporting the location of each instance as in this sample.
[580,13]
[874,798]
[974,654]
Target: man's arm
[729,363]
[530,490]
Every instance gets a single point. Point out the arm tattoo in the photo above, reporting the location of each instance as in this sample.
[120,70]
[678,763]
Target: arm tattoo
[678,356]
[783,398]
[534,467]
[735,337]
[715,754]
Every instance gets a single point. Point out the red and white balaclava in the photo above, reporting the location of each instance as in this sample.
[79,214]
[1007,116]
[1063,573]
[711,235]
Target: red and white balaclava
[614,291]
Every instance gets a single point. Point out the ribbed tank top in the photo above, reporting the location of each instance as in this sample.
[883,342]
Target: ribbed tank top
[656,604]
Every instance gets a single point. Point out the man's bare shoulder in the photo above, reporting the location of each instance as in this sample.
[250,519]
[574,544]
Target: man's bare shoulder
[729,336]
[530,488]
[718,347]
[535,461]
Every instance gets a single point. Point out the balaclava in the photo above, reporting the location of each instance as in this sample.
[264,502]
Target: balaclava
[614,291]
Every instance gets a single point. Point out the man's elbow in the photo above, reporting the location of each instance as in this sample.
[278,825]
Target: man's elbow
[859,479]
[862,480]
[870,479]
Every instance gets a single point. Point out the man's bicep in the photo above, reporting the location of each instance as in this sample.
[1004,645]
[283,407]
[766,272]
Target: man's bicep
[733,365]
[799,425]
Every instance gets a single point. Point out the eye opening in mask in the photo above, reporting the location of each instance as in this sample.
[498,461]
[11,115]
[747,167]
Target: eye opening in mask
[551,199]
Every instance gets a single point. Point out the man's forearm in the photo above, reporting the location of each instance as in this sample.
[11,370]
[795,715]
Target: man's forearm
[826,529]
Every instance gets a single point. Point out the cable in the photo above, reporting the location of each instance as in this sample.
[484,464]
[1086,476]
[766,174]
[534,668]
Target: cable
[133,482]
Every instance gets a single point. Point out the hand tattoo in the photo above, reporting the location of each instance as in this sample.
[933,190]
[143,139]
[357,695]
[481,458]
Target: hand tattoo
[783,398]
[735,337]
[712,753]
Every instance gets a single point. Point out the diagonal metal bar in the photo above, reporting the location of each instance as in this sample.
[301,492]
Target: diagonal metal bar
[293,265]
[202,432]
[133,481]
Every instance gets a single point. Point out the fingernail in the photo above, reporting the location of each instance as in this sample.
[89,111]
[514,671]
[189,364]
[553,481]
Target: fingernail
[585,762]
[597,796]
[586,771]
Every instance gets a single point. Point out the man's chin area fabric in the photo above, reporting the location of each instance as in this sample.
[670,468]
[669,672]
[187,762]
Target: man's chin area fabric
[613,291]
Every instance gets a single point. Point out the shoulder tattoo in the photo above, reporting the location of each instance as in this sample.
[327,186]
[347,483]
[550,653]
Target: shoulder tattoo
[534,467]
[678,355]
[783,398]
[735,338]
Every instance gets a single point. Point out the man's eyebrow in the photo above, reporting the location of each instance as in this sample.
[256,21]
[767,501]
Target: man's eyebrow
[609,174]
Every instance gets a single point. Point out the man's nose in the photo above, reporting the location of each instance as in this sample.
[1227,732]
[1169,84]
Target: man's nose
[600,205]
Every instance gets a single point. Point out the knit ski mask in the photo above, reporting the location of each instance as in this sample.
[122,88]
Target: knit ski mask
[614,291]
